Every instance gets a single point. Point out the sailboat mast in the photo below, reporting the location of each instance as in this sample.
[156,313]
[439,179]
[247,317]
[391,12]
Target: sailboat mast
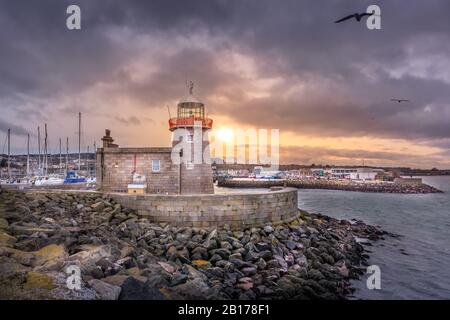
[45,151]
[87,161]
[60,157]
[9,153]
[95,160]
[28,154]
[39,150]
[79,141]
[67,155]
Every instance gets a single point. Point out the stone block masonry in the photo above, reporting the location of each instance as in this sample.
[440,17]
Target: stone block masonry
[403,186]
[238,210]
[115,168]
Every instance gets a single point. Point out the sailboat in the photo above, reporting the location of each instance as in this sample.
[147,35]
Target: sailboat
[71,176]
[16,181]
[43,177]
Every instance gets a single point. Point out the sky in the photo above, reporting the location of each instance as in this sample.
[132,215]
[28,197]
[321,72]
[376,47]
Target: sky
[266,64]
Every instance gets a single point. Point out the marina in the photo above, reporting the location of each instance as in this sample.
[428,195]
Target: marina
[45,169]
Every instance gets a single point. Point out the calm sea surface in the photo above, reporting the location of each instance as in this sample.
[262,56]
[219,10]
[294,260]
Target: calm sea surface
[414,266]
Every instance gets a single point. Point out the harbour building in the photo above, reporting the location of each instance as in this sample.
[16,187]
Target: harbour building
[153,169]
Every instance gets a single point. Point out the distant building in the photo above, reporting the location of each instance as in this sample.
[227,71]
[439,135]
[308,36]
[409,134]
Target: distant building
[365,174]
[317,172]
[340,173]
[257,170]
[267,174]
[353,173]
[119,167]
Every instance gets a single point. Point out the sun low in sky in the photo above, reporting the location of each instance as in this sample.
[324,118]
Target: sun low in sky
[267,64]
[225,135]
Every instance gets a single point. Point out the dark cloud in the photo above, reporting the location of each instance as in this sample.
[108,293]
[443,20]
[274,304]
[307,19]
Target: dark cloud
[441,143]
[322,79]
[15,129]
[129,121]
[322,155]
[358,113]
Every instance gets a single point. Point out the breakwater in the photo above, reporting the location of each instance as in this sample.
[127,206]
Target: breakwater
[64,186]
[344,185]
[236,210]
[124,256]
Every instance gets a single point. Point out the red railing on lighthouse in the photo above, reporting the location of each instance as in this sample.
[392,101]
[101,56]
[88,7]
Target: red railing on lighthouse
[174,123]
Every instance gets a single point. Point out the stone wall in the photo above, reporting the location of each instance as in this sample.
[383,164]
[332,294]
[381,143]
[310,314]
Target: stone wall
[238,210]
[197,178]
[115,169]
[343,185]
[408,181]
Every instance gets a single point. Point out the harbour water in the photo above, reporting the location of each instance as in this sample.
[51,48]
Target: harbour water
[413,266]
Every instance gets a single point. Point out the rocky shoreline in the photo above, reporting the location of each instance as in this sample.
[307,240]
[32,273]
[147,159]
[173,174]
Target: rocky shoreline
[331,185]
[123,256]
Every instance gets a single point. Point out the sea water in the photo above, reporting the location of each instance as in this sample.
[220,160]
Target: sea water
[417,264]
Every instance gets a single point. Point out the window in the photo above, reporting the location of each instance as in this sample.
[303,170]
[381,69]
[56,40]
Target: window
[189,165]
[156,165]
[190,138]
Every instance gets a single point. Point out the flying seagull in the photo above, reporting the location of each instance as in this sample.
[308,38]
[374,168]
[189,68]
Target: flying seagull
[357,16]
[400,100]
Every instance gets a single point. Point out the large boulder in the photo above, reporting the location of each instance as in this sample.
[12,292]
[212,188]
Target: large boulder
[90,254]
[12,276]
[194,273]
[105,291]
[98,206]
[6,239]
[196,289]
[38,280]
[3,223]
[50,257]
[23,257]
[133,289]
[116,280]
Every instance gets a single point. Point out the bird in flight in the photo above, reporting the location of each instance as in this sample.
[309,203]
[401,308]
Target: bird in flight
[400,100]
[357,16]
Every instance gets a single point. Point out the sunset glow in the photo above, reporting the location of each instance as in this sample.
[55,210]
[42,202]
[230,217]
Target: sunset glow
[329,95]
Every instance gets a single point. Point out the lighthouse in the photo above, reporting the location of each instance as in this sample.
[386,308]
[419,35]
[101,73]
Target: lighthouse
[190,127]
[164,170]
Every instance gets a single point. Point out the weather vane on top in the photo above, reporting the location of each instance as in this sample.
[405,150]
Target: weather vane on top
[190,87]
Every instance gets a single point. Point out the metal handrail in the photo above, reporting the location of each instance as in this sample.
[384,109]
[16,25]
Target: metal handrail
[190,122]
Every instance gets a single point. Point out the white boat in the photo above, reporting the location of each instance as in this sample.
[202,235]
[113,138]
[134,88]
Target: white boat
[91,180]
[15,181]
[48,181]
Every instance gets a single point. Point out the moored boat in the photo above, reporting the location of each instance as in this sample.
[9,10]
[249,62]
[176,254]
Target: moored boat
[71,177]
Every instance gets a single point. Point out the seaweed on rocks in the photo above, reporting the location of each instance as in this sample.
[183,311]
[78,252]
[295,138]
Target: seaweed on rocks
[124,256]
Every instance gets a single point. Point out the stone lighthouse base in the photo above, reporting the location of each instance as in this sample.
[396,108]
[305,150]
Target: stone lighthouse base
[237,210]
